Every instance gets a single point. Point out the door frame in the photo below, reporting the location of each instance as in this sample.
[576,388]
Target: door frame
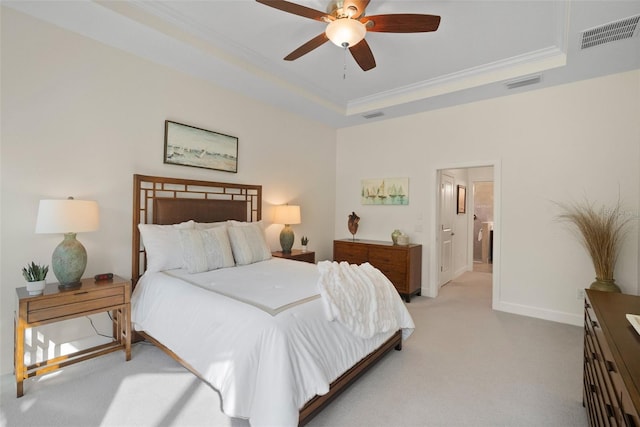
[434,200]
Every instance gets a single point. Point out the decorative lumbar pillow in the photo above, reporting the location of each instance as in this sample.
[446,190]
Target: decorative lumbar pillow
[205,250]
[162,245]
[248,242]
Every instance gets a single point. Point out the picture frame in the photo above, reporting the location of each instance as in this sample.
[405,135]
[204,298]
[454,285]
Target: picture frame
[462,199]
[385,191]
[191,146]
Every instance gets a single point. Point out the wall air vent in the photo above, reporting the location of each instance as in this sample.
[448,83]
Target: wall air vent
[531,80]
[373,115]
[618,30]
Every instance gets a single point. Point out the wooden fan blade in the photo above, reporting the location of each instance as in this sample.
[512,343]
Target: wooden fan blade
[307,47]
[402,23]
[361,52]
[358,6]
[296,9]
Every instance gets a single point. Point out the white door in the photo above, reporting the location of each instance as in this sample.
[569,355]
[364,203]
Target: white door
[447,204]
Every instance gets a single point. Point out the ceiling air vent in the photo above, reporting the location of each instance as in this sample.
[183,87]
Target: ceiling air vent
[618,30]
[373,115]
[531,80]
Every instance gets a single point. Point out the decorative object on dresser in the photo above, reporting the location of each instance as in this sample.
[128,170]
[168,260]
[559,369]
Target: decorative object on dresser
[611,392]
[401,264]
[352,224]
[191,146]
[304,241]
[394,236]
[601,232]
[35,276]
[287,215]
[403,239]
[69,217]
[297,255]
[55,305]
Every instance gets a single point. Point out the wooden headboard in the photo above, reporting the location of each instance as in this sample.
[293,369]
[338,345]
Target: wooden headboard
[162,200]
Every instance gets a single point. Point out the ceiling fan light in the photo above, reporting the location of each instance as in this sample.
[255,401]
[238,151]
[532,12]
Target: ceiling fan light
[345,32]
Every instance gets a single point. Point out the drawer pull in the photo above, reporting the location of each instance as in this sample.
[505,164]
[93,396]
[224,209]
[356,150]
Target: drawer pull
[611,367]
[610,413]
[81,293]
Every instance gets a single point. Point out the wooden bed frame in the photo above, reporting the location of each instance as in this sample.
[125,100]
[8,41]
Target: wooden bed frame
[161,200]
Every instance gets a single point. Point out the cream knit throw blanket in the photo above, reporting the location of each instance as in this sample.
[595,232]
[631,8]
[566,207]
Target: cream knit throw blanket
[358,296]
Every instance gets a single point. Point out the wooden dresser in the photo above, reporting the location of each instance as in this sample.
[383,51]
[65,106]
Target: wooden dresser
[401,264]
[611,360]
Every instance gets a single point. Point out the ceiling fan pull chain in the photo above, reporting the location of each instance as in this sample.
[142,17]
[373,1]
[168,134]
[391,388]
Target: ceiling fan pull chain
[344,70]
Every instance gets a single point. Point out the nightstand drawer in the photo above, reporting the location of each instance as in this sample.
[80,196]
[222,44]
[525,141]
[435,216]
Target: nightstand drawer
[73,303]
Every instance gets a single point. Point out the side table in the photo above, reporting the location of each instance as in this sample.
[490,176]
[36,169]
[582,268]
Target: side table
[297,255]
[54,305]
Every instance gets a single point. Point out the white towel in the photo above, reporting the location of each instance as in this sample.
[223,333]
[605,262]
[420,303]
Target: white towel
[358,296]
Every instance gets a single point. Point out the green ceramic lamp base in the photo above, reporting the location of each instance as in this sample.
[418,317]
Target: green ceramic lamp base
[286,239]
[69,261]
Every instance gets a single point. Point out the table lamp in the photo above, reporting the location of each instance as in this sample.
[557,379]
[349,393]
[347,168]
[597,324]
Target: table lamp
[287,215]
[69,217]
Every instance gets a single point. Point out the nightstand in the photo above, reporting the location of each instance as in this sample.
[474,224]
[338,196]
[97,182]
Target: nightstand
[297,255]
[54,305]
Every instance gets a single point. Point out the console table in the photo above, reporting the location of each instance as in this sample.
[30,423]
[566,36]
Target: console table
[402,264]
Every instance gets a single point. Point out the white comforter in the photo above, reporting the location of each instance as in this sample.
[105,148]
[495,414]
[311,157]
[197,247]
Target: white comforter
[256,333]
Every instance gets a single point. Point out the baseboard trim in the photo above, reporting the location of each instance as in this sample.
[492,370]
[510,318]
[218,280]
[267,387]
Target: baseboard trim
[540,313]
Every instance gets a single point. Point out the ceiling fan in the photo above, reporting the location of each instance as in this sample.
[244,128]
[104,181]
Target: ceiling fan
[347,26]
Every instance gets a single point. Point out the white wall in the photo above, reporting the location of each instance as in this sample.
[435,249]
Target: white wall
[555,144]
[80,118]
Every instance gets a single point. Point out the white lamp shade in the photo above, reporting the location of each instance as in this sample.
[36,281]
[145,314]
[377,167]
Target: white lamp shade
[287,214]
[67,216]
[345,32]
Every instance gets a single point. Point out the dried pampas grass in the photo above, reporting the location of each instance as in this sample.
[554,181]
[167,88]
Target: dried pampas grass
[601,232]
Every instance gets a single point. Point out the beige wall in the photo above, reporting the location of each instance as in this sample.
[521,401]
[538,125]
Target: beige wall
[80,118]
[556,144]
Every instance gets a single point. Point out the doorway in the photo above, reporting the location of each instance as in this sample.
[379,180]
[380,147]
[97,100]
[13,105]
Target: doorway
[458,253]
[482,236]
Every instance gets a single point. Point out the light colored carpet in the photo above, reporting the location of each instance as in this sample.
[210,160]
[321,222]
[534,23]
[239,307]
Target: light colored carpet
[465,365]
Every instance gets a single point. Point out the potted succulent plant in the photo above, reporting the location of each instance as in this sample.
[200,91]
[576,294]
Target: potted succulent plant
[304,241]
[601,232]
[35,275]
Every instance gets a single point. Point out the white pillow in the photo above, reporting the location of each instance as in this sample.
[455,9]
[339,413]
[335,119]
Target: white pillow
[162,244]
[248,243]
[205,225]
[205,250]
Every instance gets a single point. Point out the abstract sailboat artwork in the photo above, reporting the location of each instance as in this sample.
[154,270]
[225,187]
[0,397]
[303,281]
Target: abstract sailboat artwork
[385,191]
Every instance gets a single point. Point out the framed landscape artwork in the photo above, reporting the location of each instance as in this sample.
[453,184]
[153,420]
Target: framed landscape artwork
[191,146]
[387,191]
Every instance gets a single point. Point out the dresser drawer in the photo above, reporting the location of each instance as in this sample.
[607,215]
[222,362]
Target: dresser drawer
[73,303]
[388,258]
[351,253]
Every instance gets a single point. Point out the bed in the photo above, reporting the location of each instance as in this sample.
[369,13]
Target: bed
[266,344]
